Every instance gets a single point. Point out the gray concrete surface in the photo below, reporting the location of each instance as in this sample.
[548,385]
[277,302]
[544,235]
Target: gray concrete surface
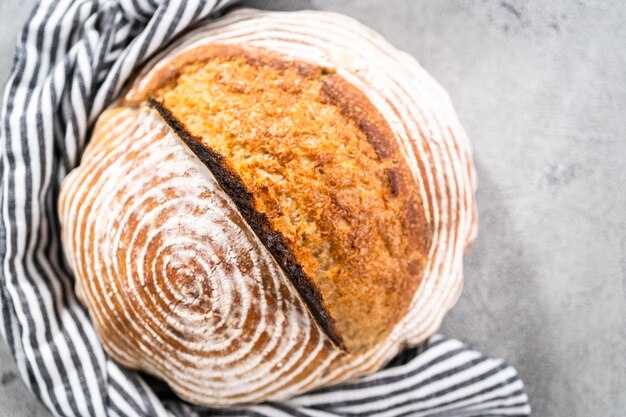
[541,89]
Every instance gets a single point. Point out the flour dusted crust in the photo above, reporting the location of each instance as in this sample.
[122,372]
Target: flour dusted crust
[193,254]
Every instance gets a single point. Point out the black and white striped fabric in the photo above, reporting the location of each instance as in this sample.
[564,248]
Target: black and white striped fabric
[73,58]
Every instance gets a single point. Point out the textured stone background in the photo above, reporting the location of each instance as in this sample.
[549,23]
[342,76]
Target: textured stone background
[541,90]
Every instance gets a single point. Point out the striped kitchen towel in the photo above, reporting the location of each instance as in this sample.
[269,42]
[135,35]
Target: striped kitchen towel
[73,57]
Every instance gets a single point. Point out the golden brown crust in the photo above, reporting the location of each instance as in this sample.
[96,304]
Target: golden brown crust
[318,172]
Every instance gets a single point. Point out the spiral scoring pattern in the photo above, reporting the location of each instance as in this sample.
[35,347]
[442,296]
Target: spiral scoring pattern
[175,280]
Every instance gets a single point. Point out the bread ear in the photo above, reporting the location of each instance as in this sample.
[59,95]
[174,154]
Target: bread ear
[273,240]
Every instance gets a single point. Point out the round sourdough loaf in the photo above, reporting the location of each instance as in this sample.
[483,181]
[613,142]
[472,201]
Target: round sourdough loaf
[279,202]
